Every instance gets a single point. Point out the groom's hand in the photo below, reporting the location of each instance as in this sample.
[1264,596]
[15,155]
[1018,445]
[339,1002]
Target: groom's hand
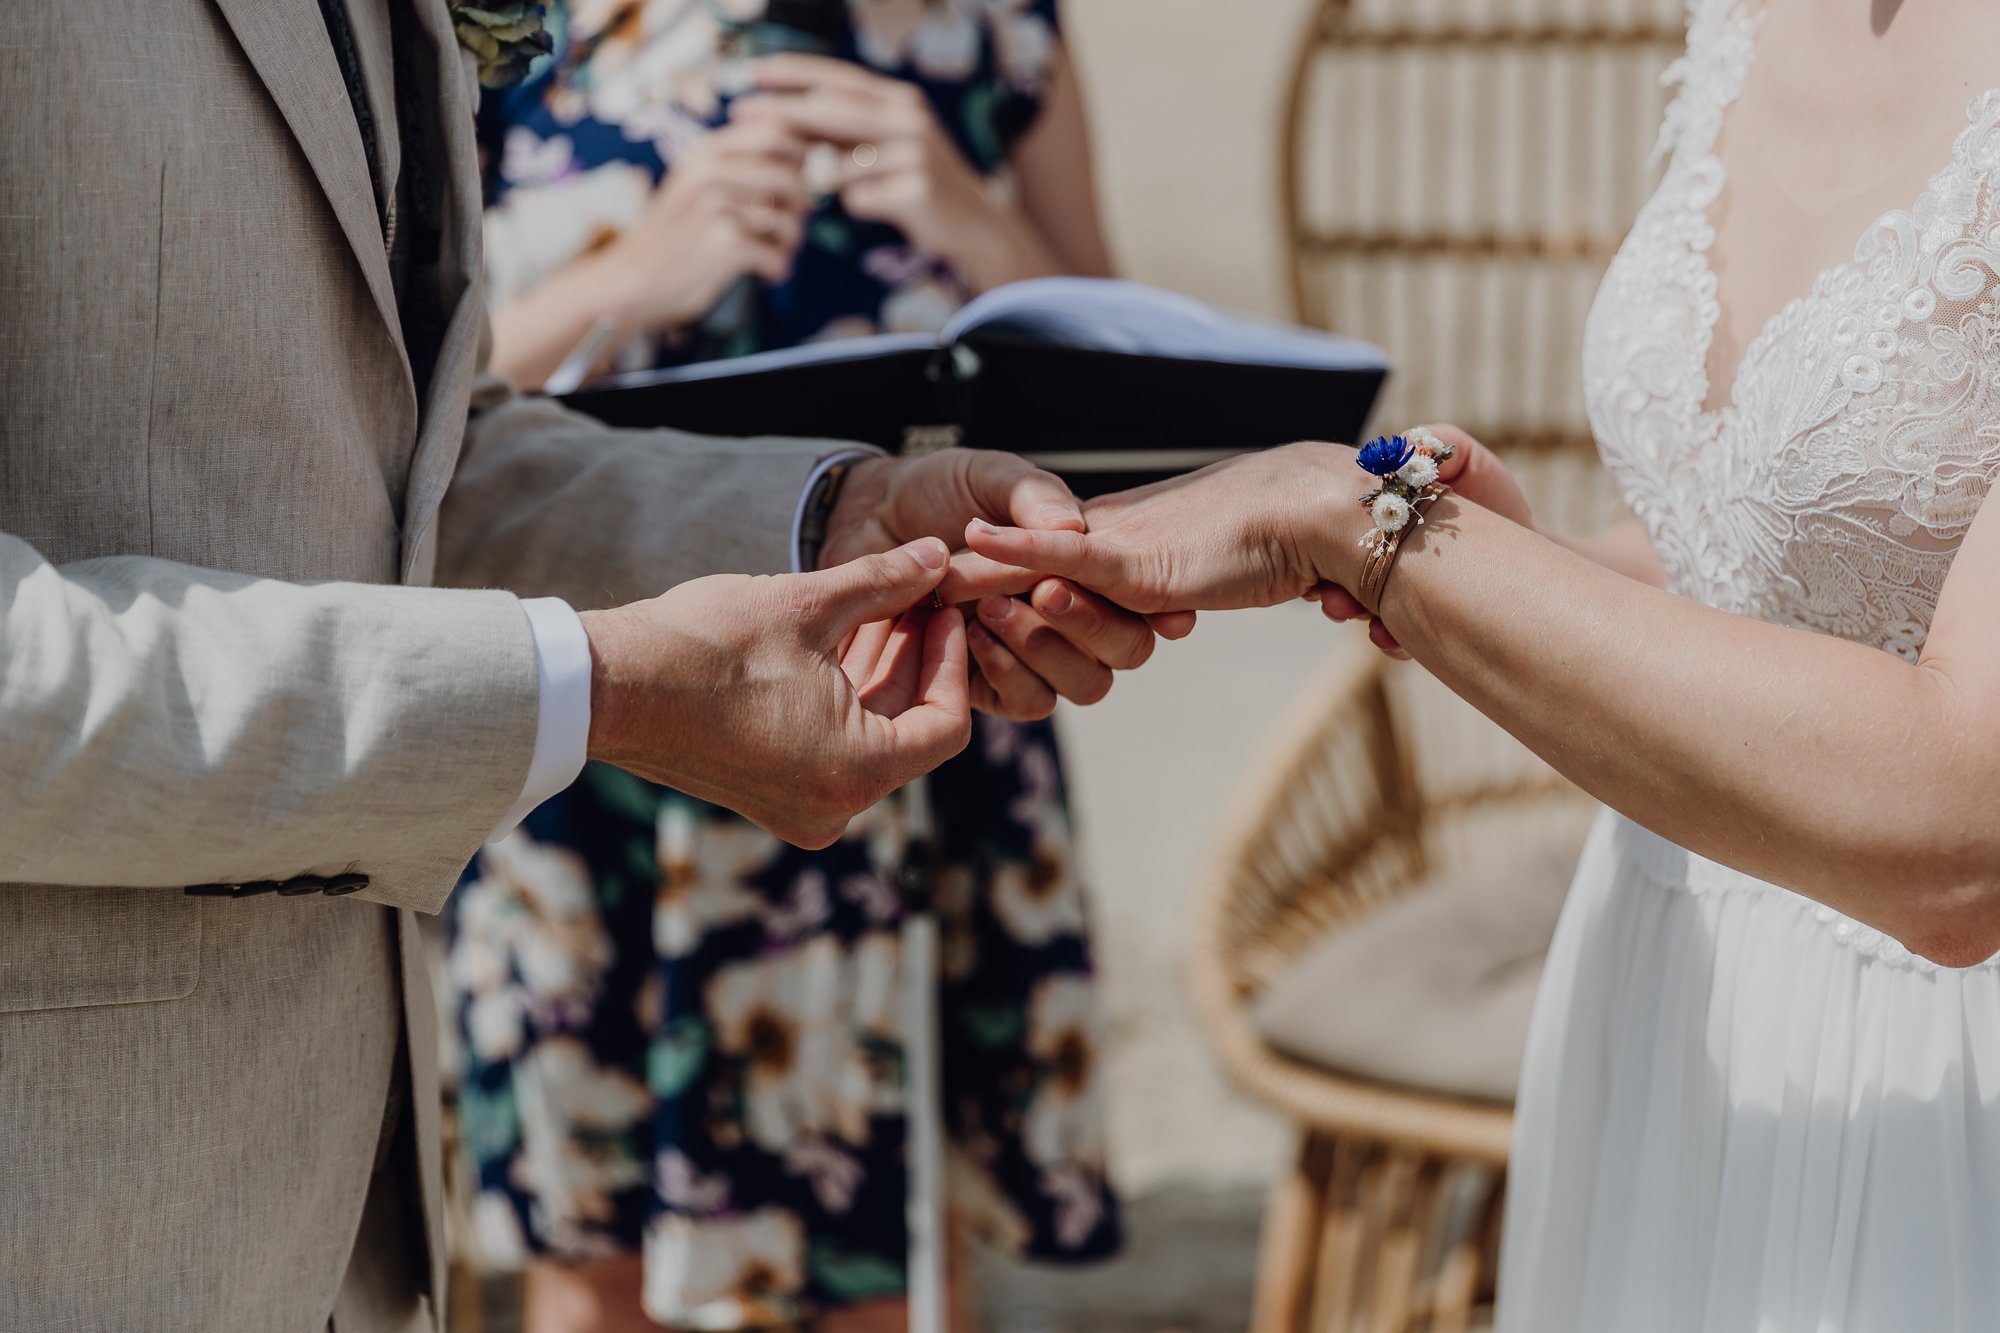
[739,691]
[1026,653]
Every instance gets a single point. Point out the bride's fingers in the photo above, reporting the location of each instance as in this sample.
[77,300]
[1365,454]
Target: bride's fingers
[1172,624]
[1073,555]
[1072,672]
[1013,691]
[1109,634]
[973,576]
[1463,449]
[1379,635]
[1337,602]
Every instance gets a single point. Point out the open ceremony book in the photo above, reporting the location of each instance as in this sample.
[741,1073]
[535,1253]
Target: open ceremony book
[1108,383]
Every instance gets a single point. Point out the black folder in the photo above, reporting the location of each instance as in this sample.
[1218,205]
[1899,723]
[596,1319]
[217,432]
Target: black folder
[1109,384]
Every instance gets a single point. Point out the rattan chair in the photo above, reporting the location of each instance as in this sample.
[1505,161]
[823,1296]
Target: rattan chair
[1455,177]
[1378,778]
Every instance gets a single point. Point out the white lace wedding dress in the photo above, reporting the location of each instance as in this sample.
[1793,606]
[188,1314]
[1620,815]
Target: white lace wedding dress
[1742,1111]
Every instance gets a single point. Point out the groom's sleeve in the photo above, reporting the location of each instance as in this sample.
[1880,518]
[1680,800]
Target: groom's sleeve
[165,726]
[550,503]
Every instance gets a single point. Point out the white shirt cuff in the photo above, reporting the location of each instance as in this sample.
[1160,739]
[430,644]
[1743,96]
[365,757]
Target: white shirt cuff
[562,725]
[820,469]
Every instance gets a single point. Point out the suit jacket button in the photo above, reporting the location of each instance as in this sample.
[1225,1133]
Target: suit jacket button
[300,884]
[337,885]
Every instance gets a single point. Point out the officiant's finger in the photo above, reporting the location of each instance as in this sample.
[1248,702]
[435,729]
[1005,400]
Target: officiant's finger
[1071,671]
[792,70]
[837,116]
[1101,630]
[1018,693]
[764,138]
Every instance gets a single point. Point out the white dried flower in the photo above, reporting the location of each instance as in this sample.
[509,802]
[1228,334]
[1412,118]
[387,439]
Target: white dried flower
[1419,472]
[1392,512]
[1426,442]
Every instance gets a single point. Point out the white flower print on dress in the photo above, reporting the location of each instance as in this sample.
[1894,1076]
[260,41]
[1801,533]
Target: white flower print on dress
[497,1237]
[780,1016]
[529,941]
[946,44]
[496,1024]
[536,229]
[883,29]
[1064,1124]
[1023,45]
[736,1272]
[1041,899]
[703,864]
[583,1092]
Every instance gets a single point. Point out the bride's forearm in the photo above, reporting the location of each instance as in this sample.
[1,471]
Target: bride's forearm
[1822,765]
[1622,548]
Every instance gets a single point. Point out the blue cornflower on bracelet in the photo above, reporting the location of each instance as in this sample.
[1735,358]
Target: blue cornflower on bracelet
[1408,466]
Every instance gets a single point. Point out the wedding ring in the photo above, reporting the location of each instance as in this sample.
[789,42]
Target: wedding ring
[865,155]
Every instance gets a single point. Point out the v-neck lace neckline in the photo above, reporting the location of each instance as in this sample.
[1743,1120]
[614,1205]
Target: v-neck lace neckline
[1709,410]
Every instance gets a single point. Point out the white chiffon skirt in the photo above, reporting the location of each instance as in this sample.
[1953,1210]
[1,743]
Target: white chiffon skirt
[1744,1113]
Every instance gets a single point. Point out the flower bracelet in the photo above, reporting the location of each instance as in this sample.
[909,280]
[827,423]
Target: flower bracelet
[1408,468]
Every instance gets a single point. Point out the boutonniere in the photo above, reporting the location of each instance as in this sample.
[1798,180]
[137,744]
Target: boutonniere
[505,38]
[1407,468]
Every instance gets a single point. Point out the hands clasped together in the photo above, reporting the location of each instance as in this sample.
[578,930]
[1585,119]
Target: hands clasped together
[799,700]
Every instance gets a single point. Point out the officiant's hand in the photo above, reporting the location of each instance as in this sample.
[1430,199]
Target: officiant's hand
[765,695]
[1060,643]
[898,165]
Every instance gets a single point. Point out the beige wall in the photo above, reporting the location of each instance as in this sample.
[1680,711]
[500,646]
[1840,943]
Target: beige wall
[1185,98]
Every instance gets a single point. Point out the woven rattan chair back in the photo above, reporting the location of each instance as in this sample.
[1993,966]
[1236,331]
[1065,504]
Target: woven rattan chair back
[1456,174]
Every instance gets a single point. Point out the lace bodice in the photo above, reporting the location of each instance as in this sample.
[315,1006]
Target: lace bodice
[1834,485]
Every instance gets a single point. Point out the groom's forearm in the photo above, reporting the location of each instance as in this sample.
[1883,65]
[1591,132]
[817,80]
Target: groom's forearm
[166,726]
[547,502]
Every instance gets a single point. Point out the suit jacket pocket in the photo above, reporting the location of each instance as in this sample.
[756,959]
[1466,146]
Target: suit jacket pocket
[63,948]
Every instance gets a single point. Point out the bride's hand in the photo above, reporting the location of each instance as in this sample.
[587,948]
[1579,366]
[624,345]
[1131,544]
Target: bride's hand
[1473,471]
[1254,531]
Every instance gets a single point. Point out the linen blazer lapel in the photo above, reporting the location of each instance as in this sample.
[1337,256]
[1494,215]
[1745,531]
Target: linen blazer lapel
[459,265]
[286,43]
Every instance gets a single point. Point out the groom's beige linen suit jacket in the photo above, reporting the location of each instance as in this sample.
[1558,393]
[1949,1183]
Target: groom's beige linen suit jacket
[215,472]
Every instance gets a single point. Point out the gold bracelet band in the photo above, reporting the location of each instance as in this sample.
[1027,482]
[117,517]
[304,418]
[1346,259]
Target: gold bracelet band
[1383,551]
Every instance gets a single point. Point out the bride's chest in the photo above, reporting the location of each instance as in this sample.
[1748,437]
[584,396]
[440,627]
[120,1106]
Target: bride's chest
[1860,429]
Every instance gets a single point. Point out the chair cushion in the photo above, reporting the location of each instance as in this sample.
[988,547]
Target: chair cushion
[1433,990]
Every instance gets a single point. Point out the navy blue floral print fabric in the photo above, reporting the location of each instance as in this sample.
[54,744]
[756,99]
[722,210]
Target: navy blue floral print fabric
[684,1035]
[574,152]
[679,1034]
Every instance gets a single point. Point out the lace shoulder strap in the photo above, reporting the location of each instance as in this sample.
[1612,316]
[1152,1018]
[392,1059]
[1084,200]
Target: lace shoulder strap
[1721,41]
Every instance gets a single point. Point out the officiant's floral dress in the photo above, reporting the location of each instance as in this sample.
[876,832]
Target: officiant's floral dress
[682,1035]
